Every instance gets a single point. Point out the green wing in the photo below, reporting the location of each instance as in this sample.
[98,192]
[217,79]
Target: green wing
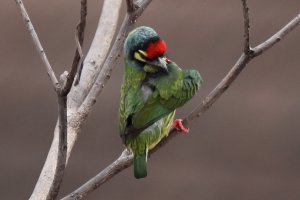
[170,91]
[130,99]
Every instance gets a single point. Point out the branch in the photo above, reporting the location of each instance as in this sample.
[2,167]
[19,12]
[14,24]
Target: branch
[38,45]
[62,148]
[97,53]
[125,160]
[62,108]
[66,85]
[78,57]
[63,90]
[246,27]
[259,49]
[239,66]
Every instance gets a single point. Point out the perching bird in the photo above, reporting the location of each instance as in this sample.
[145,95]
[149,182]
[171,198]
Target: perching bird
[153,87]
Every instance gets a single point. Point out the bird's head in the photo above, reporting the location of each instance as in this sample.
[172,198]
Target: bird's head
[146,49]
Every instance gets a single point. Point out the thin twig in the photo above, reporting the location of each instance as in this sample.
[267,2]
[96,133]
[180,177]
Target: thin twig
[259,49]
[246,27]
[80,63]
[78,57]
[38,45]
[125,160]
[62,148]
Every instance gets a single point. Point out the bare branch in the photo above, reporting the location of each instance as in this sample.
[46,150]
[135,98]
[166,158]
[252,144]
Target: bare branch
[62,109]
[125,160]
[62,148]
[219,89]
[246,27]
[78,57]
[37,43]
[63,89]
[80,62]
[239,66]
[259,49]
[97,52]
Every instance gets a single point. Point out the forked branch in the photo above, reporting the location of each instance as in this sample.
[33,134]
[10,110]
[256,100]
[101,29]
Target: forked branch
[62,88]
[78,57]
[97,52]
[246,27]
[66,82]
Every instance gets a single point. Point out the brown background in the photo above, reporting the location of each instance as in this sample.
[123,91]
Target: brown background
[247,146]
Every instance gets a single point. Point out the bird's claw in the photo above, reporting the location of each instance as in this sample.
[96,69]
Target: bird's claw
[177,124]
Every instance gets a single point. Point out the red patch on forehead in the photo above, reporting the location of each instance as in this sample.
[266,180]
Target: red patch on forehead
[156,49]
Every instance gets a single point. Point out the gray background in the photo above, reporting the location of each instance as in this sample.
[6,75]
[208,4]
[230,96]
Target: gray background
[247,146]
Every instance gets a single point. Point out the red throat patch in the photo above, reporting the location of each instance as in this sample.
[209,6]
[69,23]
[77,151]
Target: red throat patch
[156,49]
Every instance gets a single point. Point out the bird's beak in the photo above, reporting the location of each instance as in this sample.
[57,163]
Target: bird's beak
[160,62]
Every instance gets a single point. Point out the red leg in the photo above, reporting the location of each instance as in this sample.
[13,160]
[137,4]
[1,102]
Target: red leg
[177,123]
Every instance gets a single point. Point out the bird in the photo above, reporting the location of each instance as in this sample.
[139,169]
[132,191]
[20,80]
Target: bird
[153,88]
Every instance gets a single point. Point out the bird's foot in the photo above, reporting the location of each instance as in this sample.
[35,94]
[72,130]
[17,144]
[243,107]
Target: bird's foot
[177,123]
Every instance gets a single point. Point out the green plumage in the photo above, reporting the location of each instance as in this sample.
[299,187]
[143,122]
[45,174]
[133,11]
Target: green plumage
[140,165]
[148,103]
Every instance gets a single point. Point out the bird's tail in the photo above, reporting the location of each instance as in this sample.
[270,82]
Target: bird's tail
[140,165]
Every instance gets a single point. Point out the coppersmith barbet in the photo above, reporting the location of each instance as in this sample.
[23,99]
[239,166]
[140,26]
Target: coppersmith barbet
[153,87]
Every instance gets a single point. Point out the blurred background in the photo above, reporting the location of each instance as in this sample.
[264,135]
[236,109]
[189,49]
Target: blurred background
[247,146]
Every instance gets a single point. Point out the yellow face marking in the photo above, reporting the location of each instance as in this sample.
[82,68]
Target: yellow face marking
[138,56]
